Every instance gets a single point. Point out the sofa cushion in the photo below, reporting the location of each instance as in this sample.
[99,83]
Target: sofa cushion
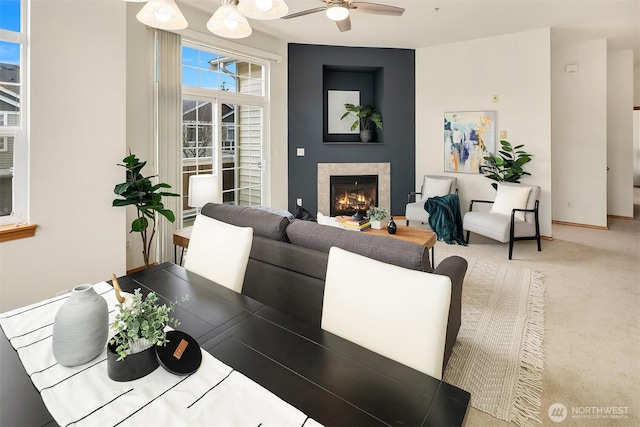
[386,249]
[264,224]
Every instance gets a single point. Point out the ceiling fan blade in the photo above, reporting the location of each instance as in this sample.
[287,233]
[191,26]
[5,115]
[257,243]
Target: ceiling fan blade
[305,12]
[344,25]
[378,9]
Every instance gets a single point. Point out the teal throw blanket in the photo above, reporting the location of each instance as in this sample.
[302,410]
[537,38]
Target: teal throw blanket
[445,218]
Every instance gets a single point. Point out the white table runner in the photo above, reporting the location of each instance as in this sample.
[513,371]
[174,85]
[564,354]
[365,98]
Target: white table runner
[85,395]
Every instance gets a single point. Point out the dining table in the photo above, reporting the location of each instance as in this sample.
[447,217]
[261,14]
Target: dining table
[330,379]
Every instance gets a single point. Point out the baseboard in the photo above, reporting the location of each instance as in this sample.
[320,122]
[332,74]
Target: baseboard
[619,217]
[575,224]
[134,270]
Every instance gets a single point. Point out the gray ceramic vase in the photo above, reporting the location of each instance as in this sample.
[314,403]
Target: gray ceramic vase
[81,327]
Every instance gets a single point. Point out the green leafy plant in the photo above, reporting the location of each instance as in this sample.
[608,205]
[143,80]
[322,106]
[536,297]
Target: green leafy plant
[140,192]
[377,214]
[508,166]
[363,116]
[143,318]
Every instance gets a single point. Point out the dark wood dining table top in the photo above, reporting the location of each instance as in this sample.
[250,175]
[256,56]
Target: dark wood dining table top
[331,380]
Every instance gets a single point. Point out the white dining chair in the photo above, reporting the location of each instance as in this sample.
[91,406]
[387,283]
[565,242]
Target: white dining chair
[396,312]
[219,251]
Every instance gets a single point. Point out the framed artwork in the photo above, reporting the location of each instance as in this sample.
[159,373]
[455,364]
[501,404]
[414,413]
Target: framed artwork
[469,136]
[335,109]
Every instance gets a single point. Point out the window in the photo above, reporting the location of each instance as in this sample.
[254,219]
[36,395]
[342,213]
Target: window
[224,103]
[13,151]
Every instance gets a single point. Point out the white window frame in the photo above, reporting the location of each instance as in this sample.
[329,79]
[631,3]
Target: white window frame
[20,202]
[237,98]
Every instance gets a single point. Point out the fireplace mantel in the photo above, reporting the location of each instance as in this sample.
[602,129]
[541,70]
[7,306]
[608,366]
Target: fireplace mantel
[326,170]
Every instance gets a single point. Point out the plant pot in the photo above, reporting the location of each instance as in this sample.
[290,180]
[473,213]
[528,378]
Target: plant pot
[366,135]
[379,225]
[132,367]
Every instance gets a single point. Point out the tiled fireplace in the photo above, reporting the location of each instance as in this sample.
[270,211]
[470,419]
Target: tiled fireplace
[327,170]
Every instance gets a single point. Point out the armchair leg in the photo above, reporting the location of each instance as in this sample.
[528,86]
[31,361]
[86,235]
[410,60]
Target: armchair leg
[468,232]
[510,248]
[539,247]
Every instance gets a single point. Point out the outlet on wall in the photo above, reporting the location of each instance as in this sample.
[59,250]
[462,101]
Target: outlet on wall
[299,202]
[568,204]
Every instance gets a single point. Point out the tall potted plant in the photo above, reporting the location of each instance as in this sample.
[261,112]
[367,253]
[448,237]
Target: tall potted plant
[508,166]
[140,192]
[364,116]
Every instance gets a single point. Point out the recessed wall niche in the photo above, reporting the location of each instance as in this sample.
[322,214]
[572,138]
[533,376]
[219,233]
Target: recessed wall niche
[369,81]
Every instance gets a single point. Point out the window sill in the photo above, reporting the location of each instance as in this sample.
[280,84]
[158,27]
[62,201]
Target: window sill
[14,232]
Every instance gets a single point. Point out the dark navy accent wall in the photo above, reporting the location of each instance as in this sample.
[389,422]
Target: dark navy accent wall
[392,77]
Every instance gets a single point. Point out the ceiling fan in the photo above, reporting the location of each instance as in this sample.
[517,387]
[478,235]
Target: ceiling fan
[339,10]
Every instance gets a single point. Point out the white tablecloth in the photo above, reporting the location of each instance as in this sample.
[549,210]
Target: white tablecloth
[85,395]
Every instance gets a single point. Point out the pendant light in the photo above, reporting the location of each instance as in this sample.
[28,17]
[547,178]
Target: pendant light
[263,9]
[228,22]
[162,14]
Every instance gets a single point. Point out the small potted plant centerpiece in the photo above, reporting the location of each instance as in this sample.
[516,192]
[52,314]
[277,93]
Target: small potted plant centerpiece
[139,325]
[377,217]
[364,116]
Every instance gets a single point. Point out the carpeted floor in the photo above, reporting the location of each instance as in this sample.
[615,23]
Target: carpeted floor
[592,320]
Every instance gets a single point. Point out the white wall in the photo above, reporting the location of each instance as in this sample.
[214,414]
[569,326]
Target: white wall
[464,77]
[636,126]
[77,137]
[620,133]
[579,132]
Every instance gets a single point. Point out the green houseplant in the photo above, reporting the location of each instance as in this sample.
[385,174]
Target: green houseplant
[378,216]
[364,116]
[507,167]
[140,192]
[141,323]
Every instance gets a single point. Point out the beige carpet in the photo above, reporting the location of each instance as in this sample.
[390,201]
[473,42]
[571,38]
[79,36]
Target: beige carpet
[498,356]
[592,319]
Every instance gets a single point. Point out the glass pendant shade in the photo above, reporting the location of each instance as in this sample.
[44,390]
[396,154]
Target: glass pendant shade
[337,12]
[263,9]
[162,14]
[228,22]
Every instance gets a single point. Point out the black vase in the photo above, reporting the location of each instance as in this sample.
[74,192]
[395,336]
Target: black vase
[392,227]
[132,367]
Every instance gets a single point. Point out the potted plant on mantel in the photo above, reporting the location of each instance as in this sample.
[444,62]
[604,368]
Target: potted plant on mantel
[508,166]
[377,217]
[140,192]
[364,116]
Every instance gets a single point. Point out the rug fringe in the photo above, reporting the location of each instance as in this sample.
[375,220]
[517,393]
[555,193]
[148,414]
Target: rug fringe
[527,402]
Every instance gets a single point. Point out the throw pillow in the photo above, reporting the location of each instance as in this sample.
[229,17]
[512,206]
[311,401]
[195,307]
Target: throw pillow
[435,187]
[511,197]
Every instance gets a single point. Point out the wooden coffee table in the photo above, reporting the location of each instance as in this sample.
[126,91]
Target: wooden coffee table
[410,234]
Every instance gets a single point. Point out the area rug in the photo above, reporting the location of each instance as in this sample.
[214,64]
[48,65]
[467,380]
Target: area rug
[498,356]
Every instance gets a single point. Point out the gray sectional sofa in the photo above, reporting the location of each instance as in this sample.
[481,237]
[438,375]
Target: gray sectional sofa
[288,262]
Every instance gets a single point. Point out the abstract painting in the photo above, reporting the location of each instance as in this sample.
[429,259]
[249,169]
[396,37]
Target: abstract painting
[469,136]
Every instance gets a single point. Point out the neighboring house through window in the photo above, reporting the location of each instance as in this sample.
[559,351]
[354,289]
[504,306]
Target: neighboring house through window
[13,135]
[224,108]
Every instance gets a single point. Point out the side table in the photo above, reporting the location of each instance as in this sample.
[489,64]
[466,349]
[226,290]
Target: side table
[181,238]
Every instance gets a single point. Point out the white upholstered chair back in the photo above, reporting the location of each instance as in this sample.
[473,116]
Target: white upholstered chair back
[219,251]
[396,312]
[431,181]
